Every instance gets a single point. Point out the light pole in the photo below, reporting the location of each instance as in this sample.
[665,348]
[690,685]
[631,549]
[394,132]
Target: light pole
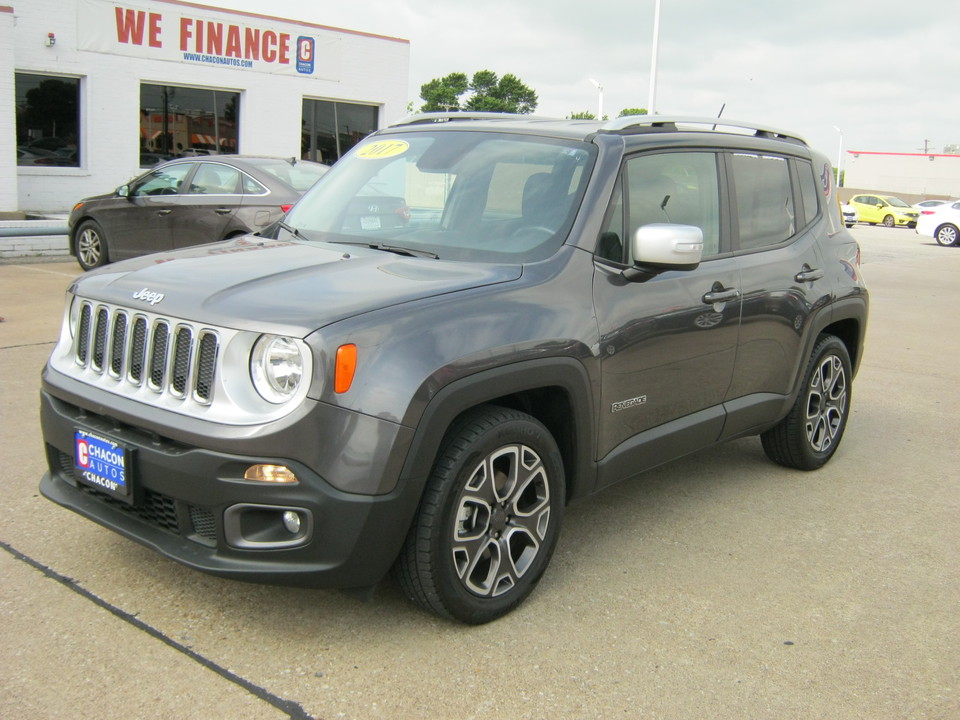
[652,100]
[839,156]
[599,87]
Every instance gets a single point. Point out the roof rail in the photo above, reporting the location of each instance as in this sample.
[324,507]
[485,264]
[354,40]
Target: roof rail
[675,123]
[441,117]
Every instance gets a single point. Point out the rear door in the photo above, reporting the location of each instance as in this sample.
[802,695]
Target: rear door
[778,215]
[206,205]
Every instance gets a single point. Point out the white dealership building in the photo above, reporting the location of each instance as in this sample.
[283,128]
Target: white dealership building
[94,91]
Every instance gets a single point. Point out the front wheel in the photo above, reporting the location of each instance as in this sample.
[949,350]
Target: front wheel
[809,435]
[888,221]
[947,235]
[489,519]
[91,245]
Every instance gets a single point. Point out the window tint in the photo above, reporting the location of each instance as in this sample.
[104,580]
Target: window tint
[252,187]
[679,188]
[215,179]
[48,120]
[808,190]
[765,211]
[186,122]
[161,182]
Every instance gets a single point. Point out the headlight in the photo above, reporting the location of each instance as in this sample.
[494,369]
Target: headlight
[276,366]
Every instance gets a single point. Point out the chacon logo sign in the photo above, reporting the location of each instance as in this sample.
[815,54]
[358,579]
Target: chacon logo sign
[305,52]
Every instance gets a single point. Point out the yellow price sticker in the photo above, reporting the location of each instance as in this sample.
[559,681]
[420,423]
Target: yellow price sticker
[383,149]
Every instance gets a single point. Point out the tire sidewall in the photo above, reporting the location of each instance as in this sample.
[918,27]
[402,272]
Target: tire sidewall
[454,469]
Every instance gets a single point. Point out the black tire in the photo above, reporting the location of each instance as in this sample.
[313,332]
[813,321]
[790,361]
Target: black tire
[810,434]
[489,519]
[947,235]
[91,245]
[888,221]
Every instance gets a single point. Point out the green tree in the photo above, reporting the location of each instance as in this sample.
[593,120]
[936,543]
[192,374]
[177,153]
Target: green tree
[489,93]
[584,115]
[632,111]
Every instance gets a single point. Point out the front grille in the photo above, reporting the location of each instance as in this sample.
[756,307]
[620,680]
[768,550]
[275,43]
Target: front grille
[168,356]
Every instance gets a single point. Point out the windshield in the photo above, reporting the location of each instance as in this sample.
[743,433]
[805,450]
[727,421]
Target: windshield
[895,202]
[458,195]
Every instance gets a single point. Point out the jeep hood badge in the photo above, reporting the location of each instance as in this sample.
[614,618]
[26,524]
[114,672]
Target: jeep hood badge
[148,296]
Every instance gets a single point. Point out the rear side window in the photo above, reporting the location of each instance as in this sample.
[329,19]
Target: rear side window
[808,191]
[215,179]
[765,209]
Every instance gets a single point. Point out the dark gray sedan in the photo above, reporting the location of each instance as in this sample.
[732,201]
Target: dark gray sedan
[188,201]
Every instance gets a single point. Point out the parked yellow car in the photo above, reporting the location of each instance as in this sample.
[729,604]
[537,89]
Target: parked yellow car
[886,209]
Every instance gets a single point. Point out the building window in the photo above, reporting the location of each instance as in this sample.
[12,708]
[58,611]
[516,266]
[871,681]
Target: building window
[330,129]
[48,120]
[182,121]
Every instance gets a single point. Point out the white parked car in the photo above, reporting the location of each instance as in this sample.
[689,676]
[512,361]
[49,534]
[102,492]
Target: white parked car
[942,224]
[931,205]
[850,214]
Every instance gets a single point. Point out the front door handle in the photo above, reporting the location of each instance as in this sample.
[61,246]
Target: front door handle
[719,294]
[808,274]
[164,212]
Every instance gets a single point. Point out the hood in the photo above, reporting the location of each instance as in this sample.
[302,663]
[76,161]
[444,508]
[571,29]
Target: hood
[287,287]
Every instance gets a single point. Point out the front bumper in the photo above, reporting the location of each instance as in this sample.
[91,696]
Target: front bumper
[192,504]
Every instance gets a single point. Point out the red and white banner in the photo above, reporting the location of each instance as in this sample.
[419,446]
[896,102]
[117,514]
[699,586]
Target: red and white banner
[206,37]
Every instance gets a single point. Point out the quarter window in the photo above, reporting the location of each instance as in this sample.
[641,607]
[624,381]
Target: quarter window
[808,190]
[765,210]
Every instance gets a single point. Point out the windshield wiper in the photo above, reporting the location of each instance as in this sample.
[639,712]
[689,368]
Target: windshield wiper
[292,230]
[409,252]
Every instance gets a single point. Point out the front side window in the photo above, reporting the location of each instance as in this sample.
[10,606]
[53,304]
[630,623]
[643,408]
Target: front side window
[184,122]
[482,197]
[48,121]
[679,188]
[764,199]
[161,182]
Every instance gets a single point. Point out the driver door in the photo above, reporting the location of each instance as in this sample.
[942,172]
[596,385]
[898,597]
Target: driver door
[143,225]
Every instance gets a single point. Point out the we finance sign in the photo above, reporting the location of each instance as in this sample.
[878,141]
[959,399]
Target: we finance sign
[201,37]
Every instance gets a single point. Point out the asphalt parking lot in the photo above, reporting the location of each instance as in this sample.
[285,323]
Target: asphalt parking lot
[721,586]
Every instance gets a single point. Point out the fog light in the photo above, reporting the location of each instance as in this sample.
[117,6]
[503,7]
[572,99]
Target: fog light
[270,474]
[291,521]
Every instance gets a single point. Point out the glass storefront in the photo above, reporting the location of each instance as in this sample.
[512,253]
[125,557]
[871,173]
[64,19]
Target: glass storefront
[330,128]
[48,120]
[180,121]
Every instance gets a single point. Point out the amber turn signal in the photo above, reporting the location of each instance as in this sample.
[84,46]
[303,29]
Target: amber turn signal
[346,368]
[270,474]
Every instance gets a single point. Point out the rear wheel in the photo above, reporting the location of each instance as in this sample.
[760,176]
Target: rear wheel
[809,435]
[888,221]
[947,235]
[91,245]
[489,519]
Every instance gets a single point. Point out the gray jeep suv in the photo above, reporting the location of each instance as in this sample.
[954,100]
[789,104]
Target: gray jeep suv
[471,321]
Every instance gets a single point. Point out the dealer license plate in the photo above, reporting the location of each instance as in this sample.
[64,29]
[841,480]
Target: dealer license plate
[103,464]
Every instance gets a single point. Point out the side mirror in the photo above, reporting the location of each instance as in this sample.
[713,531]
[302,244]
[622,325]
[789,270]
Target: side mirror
[123,191]
[664,246]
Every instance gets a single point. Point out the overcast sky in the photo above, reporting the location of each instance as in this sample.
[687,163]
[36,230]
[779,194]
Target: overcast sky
[883,72]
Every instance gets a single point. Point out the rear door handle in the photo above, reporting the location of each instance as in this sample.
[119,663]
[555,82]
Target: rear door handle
[164,212]
[808,274]
[223,211]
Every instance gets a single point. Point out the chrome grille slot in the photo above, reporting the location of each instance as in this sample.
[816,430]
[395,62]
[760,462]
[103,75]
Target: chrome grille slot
[158,355]
[182,346]
[206,366]
[100,338]
[138,350]
[83,334]
[129,352]
[118,344]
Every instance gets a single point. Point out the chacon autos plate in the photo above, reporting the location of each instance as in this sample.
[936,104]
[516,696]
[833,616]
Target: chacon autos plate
[103,464]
